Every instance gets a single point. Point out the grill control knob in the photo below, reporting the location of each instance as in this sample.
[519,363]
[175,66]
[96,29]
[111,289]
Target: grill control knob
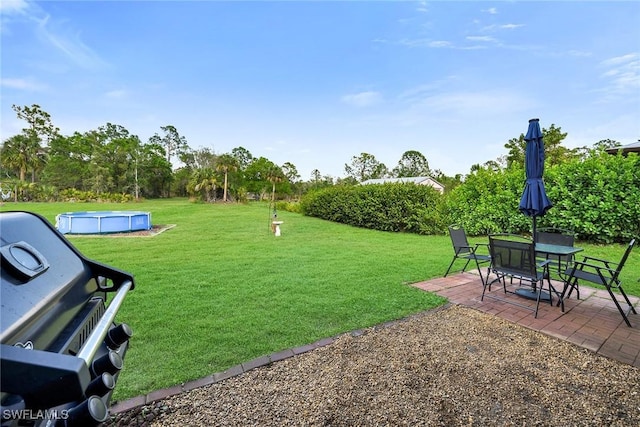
[118,335]
[110,362]
[91,412]
[101,385]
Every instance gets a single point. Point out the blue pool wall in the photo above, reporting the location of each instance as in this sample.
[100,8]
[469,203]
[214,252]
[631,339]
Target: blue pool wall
[102,222]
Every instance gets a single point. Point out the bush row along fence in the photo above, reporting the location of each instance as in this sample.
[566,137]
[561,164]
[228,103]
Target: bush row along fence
[387,207]
[598,198]
[36,192]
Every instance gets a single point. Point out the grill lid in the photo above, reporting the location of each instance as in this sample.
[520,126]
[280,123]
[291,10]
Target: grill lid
[43,279]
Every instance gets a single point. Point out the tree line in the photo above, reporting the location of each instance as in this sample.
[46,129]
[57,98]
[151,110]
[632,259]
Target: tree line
[110,163]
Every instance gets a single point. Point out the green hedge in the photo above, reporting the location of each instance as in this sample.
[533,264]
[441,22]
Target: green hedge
[73,195]
[598,198]
[487,202]
[386,207]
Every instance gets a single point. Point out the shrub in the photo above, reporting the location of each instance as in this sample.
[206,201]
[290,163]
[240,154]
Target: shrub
[73,195]
[598,198]
[289,206]
[386,207]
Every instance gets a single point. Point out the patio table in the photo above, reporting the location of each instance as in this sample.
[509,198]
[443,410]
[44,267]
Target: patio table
[547,249]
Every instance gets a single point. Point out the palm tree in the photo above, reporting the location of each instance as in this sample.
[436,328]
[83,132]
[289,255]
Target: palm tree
[226,163]
[204,180]
[22,153]
[274,175]
[315,175]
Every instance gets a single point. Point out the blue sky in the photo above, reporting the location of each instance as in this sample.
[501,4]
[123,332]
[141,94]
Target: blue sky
[316,83]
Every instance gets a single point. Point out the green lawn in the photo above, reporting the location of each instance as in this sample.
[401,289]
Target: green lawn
[220,289]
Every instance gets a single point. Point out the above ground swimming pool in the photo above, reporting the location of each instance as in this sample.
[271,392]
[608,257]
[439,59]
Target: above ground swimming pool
[100,222]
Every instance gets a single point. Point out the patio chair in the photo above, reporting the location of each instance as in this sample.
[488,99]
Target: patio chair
[463,250]
[601,272]
[514,257]
[557,236]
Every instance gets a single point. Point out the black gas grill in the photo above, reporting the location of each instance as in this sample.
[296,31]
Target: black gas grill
[61,349]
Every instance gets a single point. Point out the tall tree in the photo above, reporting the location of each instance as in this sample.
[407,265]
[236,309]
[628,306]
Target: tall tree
[605,144]
[69,159]
[113,161]
[274,175]
[243,156]
[174,144]
[555,153]
[154,171]
[365,167]
[411,164]
[226,163]
[204,158]
[316,176]
[40,127]
[290,172]
[260,173]
[18,154]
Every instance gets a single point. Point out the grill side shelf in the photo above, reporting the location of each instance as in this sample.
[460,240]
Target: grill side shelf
[42,378]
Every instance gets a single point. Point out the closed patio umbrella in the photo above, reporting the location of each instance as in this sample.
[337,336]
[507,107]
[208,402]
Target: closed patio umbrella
[534,201]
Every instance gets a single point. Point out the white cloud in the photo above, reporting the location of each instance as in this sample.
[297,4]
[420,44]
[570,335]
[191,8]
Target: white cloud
[620,59]
[414,42]
[475,103]
[511,26]
[21,84]
[13,6]
[622,74]
[69,44]
[362,99]
[495,27]
[481,38]
[491,11]
[52,33]
[10,11]
[422,91]
[440,43]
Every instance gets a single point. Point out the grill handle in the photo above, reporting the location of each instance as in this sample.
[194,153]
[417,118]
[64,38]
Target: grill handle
[95,340]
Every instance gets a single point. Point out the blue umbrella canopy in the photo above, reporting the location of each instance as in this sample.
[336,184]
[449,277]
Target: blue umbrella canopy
[534,201]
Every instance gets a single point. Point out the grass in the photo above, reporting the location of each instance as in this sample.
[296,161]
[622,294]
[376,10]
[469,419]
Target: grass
[219,289]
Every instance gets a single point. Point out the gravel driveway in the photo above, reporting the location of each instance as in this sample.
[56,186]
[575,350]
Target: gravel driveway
[446,367]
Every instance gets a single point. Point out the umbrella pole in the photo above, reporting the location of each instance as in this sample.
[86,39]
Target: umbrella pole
[534,230]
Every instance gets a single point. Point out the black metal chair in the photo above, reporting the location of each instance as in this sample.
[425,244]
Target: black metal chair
[557,236]
[514,257]
[601,272]
[463,250]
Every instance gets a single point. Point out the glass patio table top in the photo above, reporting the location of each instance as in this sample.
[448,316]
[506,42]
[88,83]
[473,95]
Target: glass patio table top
[560,250]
